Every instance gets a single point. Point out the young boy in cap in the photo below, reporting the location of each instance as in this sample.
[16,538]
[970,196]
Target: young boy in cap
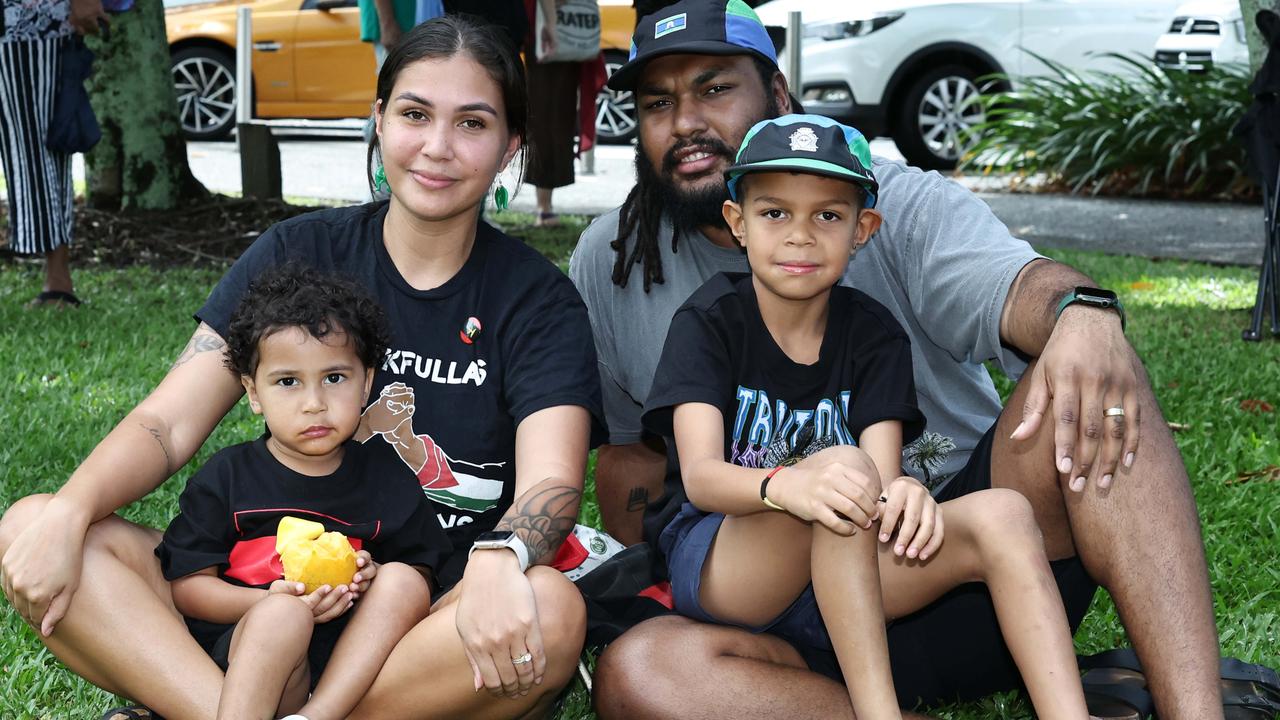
[789,398]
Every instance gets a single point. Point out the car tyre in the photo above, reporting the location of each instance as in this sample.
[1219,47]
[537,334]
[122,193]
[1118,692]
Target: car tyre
[615,111]
[205,81]
[936,111]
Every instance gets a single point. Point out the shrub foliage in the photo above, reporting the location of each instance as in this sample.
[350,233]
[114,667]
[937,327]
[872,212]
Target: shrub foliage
[1140,132]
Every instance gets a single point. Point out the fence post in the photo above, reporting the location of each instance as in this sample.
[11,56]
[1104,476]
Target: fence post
[259,153]
[795,35]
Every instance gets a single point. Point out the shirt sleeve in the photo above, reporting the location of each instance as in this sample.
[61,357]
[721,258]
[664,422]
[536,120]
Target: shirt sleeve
[884,389]
[550,358]
[264,253]
[957,263]
[694,367]
[201,536]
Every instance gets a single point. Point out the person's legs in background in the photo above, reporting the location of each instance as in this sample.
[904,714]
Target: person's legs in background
[553,121]
[38,180]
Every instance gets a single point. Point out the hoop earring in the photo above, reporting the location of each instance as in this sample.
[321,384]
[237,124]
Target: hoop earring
[500,198]
[380,180]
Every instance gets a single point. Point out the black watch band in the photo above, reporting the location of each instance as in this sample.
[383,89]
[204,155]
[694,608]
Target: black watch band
[1094,297]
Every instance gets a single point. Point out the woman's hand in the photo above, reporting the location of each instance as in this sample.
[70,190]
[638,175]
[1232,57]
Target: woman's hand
[497,620]
[920,534]
[841,497]
[41,570]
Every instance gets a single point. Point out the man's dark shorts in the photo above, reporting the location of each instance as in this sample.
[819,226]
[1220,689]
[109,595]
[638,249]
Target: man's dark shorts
[950,650]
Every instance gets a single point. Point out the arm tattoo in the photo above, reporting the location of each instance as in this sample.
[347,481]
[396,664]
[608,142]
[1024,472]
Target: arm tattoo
[168,461]
[637,499]
[543,519]
[198,344]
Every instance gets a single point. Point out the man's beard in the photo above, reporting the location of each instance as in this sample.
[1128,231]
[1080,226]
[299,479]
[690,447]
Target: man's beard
[699,206]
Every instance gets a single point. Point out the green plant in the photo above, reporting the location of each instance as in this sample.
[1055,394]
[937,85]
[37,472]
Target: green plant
[1142,131]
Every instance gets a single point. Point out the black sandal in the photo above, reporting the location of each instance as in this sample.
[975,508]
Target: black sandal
[1249,691]
[130,712]
[55,298]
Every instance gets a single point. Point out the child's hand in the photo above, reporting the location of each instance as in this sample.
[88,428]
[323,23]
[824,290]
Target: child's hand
[921,532]
[364,575]
[840,497]
[284,587]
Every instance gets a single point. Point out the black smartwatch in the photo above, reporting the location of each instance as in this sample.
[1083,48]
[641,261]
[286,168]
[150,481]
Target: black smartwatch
[1094,297]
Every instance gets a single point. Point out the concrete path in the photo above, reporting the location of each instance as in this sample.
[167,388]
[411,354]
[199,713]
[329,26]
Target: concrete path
[327,160]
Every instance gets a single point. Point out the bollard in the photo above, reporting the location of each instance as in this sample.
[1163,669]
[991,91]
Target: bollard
[259,152]
[795,35]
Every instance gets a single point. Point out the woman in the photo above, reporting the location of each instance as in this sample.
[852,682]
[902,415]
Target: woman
[33,36]
[486,399]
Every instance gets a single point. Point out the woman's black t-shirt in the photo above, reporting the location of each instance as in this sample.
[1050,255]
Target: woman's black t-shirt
[719,351]
[507,336]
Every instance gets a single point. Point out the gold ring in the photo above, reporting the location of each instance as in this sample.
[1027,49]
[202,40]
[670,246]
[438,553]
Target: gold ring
[527,657]
[1116,411]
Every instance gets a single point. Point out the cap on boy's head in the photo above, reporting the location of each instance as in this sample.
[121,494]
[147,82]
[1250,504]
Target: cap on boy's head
[809,144]
[696,27]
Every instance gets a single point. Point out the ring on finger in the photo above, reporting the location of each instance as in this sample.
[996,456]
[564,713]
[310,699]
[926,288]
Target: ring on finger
[521,660]
[1116,411]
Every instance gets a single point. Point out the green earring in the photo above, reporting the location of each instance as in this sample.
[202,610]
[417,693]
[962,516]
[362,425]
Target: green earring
[500,198]
[380,180]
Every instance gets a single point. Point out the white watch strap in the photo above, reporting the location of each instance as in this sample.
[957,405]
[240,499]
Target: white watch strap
[515,544]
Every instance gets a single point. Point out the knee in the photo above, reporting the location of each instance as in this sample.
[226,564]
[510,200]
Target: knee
[19,516]
[630,675]
[562,618]
[286,616]
[1007,523]
[405,585]
[851,457]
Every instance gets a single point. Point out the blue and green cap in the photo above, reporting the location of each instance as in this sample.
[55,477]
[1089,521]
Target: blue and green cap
[808,144]
[695,27]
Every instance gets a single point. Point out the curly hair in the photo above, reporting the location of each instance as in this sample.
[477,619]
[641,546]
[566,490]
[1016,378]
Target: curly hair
[321,303]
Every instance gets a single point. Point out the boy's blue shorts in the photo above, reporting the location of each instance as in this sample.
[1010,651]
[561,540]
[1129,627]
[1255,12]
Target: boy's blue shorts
[686,541]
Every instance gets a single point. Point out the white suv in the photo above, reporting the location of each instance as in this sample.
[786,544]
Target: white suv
[1203,33]
[909,68]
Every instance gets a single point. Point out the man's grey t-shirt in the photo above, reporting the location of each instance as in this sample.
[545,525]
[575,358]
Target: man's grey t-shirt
[941,262]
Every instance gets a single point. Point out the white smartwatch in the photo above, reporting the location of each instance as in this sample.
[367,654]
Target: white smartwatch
[502,540]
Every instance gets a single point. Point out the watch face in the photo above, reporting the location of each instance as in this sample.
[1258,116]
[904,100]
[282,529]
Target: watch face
[493,536]
[1095,296]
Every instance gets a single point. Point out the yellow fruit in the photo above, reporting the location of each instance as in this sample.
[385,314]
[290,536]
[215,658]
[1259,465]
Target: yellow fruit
[312,556]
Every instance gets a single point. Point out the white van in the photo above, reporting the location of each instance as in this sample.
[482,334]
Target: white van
[1204,33]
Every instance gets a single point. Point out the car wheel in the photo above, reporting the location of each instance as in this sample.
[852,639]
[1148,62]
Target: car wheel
[937,113]
[205,81]
[615,111]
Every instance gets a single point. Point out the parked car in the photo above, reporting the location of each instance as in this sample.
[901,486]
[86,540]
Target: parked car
[910,68]
[309,62]
[1203,33]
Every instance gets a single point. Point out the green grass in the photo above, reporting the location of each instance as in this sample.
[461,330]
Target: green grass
[74,374]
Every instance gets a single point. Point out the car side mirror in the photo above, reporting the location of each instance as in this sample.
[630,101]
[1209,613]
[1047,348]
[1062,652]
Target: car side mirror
[327,5]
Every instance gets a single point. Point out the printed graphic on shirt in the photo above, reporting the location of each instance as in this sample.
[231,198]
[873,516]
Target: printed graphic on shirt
[256,562]
[446,480]
[767,432]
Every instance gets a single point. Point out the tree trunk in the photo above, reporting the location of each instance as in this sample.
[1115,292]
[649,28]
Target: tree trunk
[141,162]
[1257,46]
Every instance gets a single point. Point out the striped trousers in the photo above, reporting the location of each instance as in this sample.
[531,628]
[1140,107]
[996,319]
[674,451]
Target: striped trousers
[37,180]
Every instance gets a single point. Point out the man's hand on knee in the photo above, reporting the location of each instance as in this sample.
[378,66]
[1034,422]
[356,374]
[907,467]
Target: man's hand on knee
[1087,381]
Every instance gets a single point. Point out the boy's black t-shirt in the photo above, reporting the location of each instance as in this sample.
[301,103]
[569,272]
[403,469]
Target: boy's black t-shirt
[719,351]
[507,336]
[229,511]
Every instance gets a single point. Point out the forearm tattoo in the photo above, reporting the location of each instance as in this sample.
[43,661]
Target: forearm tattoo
[637,499]
[543,519]
[198,344]
[168,461]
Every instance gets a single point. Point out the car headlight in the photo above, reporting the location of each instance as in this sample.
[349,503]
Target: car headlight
[849,28]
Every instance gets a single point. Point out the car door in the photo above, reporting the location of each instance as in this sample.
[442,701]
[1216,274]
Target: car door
[273,23]
[1074,32]
[334,70]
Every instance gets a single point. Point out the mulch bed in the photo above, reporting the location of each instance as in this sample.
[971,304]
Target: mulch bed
[210,232]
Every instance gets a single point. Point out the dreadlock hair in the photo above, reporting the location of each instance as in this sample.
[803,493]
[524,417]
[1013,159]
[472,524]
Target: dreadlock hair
[641,213]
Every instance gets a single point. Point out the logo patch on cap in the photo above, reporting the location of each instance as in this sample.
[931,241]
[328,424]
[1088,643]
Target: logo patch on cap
[666,26]
[804,139]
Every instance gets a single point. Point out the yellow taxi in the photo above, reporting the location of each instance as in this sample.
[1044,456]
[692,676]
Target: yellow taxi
[309,62]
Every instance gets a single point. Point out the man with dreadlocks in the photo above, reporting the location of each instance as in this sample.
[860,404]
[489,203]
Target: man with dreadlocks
[1111,512]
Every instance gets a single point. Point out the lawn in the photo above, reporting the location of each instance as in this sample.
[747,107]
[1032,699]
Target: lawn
[74,374]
